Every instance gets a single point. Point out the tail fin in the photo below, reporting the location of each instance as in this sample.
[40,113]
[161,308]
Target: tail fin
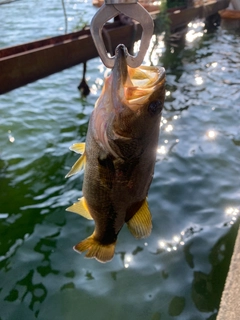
[102,253]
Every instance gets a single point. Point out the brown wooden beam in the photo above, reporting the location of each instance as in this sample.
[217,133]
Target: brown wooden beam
[181,18]
[23,64]
[20,65]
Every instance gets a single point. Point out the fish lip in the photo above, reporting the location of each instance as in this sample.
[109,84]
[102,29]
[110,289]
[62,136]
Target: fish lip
[162,76]
[123,82]
[120,71]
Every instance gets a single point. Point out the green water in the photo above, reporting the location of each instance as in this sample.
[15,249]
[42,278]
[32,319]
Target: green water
[176,273]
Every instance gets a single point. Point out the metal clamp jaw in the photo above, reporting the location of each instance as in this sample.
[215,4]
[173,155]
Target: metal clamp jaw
[133,10]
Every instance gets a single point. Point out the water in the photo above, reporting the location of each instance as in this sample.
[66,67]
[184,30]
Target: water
[176,273]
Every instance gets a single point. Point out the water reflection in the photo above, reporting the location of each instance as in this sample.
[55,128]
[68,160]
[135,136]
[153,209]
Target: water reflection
[25,289]
[173,273]
[195,31]
[207,287]
[234,213]
[176,306]
[198,80]
[211,134]
[128,259]
[10,136]
[46,247]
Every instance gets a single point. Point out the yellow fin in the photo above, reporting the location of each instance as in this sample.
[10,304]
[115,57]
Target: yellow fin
[102,253]
[78,147]
[140,224]
[81,208]
[78,166]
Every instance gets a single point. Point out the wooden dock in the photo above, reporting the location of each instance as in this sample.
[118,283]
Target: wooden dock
[230,305]
[29,62]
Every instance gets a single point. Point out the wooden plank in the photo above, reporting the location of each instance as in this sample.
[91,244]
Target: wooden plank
[29,62]
[30,65]
[182,18]
[230,306]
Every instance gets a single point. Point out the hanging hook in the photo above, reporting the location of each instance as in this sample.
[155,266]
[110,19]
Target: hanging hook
[133,10]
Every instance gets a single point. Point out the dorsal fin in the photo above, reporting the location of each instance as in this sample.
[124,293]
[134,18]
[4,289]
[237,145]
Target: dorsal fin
[78,166]
[81,208]
[78,147]
[140,225]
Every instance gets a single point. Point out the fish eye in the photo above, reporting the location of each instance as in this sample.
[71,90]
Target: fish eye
[155,107]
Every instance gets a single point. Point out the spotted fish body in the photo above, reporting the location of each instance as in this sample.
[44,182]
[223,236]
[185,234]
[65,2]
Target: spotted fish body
[119,156]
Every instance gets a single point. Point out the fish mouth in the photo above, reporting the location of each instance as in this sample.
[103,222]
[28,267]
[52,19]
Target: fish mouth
[134,86]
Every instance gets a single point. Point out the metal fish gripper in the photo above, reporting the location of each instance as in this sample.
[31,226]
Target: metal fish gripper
[135,11]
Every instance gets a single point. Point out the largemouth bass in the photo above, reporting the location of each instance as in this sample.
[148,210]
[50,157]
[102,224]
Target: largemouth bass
[119,156]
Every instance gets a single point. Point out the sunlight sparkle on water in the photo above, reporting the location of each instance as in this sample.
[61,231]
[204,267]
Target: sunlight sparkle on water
[153,52]
[195,31]
[163,121]
[10,136]
[211,134]
[169,128]
[94,89]
[128,259]
[230,211]
[161,150]
[234,213]
[99,81]
[101,68]
[192,35]
[198,80]
[162,244]
[176,239]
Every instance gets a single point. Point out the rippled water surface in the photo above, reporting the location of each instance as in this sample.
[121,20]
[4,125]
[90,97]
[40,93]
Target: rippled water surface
[176,273]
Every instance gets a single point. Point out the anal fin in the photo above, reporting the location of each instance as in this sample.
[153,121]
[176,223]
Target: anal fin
[140,225]
[81,208]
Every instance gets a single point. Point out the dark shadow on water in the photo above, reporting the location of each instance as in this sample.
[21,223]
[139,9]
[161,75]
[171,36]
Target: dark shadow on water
[207,288]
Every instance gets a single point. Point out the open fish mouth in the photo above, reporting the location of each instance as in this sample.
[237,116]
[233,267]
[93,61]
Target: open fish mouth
[134,86]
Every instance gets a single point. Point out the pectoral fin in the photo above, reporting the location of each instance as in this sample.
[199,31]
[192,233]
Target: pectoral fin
[81,208]
[78,166]
[140,225]
[78,147]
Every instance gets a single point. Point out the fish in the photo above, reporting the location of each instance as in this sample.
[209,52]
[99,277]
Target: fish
[119,156]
